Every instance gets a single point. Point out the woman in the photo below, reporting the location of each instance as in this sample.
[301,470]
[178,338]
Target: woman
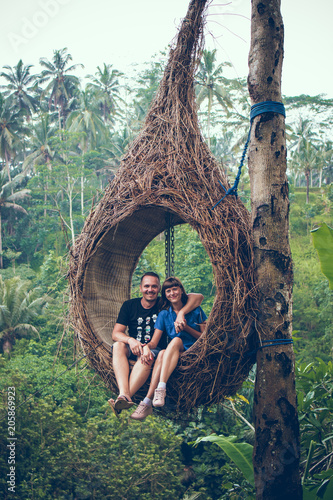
[181,337]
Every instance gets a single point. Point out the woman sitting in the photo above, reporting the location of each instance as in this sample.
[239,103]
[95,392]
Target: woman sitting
[181,337]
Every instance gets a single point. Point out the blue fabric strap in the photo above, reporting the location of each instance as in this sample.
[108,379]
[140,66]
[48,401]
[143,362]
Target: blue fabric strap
[256,109]
[270,343]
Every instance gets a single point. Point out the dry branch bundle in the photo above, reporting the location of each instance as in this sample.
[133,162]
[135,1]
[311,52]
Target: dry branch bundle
[169,168]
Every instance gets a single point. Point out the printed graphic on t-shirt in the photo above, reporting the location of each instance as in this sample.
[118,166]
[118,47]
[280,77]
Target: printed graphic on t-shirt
[146,330]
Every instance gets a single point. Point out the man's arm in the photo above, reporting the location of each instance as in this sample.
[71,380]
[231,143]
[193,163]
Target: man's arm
[119,335]
[194,300]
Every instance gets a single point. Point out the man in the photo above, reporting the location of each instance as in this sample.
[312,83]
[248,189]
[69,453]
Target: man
[141,343]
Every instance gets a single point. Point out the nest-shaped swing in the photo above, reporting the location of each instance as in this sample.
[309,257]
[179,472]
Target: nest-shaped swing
[169,168]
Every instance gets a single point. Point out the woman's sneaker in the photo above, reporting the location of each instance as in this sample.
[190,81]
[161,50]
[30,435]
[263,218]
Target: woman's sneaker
[142,411]
[159,397]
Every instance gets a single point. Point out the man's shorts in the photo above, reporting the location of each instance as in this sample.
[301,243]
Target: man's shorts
[134,357]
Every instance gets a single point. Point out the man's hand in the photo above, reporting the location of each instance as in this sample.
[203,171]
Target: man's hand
[147,355]
[135,346]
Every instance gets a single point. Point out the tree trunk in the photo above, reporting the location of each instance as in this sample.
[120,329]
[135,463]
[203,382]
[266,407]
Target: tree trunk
[1,258]
[307,177]
[276,450]
[7,161]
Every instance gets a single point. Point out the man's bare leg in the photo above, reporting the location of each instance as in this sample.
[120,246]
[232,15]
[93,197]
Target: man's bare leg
[121,368]
[139,375]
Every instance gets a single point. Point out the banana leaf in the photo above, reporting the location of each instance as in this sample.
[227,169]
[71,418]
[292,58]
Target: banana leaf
[239,453]
[323,242]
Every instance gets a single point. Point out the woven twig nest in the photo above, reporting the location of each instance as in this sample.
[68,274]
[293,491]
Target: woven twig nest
[169,169]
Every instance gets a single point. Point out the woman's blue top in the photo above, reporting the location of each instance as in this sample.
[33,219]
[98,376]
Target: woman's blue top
[167,317]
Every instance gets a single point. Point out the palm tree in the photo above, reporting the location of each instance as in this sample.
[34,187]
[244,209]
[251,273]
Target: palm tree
[62,87]
[305,154]
[8,199]
[19,306]
[212,85]
[41,150]
[149,80]
[21,87]
[86,122]
[90,127]
[105,90]
[11,124]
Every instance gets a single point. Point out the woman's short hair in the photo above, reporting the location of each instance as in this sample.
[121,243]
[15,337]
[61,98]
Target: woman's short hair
[169,283]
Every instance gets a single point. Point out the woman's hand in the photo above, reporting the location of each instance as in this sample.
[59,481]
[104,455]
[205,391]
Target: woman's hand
[180,322]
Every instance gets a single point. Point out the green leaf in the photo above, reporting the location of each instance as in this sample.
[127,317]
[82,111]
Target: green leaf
[239,453]
[308,494]
[323,242]
[308,460]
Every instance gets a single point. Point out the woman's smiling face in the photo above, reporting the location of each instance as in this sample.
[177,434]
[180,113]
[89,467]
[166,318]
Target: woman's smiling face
[173,294]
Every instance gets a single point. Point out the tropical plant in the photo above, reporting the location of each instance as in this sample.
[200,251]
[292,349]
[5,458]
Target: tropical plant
[105,90]
[19,306]
[8,199]
[314,397]
[148,81]
[11,124]
[85,122]
[90,129]
[21,87]
[305,152]
[211,85]
[62,86]
[323,242]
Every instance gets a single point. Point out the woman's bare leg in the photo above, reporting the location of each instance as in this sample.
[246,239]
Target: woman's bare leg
[170,358]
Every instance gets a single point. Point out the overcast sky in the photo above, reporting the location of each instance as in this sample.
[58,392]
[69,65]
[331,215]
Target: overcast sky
[129,32]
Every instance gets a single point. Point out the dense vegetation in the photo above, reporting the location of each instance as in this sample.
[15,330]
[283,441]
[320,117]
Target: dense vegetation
[61,143]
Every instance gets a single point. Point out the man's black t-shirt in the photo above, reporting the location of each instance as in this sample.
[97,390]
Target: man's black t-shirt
[140,321]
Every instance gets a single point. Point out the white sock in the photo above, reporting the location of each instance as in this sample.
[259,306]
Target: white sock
[161,385]
[147,401]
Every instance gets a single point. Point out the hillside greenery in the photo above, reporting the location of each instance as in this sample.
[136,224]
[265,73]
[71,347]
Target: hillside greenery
[61,143]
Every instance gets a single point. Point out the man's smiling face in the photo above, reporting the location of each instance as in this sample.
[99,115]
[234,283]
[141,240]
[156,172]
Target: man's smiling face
[150,287]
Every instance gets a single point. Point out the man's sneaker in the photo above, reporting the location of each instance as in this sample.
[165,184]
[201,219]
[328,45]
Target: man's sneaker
[159,397]
[142,411]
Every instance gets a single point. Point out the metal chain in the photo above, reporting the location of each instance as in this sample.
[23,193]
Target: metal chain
[172,248]
[169,238]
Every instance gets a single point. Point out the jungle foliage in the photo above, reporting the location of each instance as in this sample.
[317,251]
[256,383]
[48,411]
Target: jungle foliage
[60,145]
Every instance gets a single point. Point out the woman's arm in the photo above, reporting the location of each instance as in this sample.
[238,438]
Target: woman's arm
[147,355]
[195,333]
[194,300]
[153,343]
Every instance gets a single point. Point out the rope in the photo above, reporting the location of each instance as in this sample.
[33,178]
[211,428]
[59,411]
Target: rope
[256,109]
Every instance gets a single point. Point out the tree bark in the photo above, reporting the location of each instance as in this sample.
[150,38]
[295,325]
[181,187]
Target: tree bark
[1,258]
[276,450]
[307,178]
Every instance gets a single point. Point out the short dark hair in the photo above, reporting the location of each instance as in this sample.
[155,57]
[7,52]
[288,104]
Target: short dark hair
[169,283]
[150,273]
